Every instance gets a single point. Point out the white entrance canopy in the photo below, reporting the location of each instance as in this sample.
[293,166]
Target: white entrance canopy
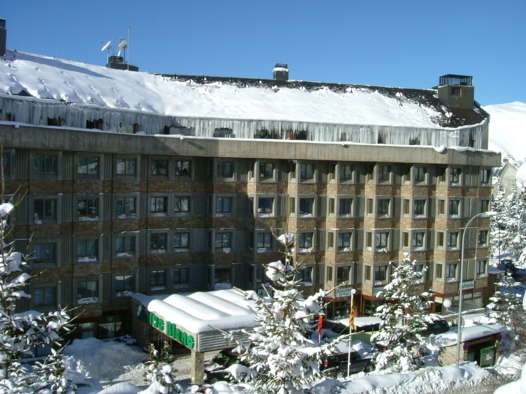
[199,320]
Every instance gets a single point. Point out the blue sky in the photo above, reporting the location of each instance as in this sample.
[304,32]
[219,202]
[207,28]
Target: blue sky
[405,43]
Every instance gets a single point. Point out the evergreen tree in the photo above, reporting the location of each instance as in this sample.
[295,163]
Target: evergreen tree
[498,228]
[512,224]
[402,319]
[159,370]
[21,333]
[506,308]
[279,354]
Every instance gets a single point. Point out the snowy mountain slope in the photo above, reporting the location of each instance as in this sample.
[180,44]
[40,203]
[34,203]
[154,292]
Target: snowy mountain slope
[507,129]
[70,81]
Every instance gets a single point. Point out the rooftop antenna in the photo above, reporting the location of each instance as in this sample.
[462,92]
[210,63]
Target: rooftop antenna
[106,46]
[122,47]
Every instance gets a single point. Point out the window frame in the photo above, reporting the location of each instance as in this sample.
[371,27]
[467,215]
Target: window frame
[124,167]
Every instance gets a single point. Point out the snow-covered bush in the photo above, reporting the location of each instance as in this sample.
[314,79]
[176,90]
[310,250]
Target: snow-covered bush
[402,319]
[506,308]
[279,355]
[160,372]
[21,333]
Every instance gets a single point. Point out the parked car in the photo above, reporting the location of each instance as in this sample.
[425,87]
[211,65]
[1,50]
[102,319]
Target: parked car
[336,365]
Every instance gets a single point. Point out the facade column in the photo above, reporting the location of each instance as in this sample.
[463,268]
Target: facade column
[198,369]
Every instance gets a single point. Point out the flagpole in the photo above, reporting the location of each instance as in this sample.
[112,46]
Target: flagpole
[351,317]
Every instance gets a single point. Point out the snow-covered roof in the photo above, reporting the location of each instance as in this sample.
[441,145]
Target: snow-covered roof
[468,333]
[204,311]
[69,81]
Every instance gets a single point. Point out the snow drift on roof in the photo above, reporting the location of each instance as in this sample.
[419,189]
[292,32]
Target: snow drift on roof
[59,79]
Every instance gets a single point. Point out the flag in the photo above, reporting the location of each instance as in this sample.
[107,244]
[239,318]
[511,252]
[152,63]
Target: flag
[320,324]
[352,315]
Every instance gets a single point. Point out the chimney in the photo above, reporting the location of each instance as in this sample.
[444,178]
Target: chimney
[281,72]
[3,37]
[456,91]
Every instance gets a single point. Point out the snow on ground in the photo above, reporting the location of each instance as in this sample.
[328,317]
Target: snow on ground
[60,79]
[507,129]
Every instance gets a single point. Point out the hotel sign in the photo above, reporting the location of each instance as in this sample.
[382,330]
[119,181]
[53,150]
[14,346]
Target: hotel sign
[171,330]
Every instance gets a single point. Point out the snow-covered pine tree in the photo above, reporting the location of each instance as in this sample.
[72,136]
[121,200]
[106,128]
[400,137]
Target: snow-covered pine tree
[21,333]
[279,354]
[513,237]
[497,228]
[160,372]
[402,319]
[506,308]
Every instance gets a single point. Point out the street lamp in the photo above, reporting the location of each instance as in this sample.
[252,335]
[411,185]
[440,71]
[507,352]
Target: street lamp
[460,285]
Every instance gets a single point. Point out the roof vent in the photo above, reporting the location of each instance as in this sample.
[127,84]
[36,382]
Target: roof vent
[281,72]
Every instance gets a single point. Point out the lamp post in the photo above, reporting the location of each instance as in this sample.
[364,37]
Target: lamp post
[460,285]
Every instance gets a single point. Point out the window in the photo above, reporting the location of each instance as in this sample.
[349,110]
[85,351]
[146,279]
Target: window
[306,206]
[345,172]
[88,208]
[422,269]
[438,270]
[158,242]
[455,176]
[369,239]
[406,206]
[158,204]
[87,289]
[181,240]
[305,276]
[266,170]
[225,169]
[45,210]
[481,267]
[45,164]
[305,240]
[455,90]
[419,239]
[157,280]
[381,240]
[384,174]
[441,206]
[419,208]
[485,176]
[380,273]
[181,277]
[454,207]
[6,164]
[126,167]
[343,274]
[126,206]
[124,283]
[44,296]
[224,205]
[223,240]
[330,240]
[265,205]
[484,205]
[329,272]
[292,204]
[383,206]
[88,166]
[224,132]
[263,240]
[405,239]
[159,167]
[182,204]
[331,206]
[420,174]
[184,168]
[452,239]
[45,253]
[451,271]
[344,242]
[345,207]
[483,238]
[87,250]
[292,169]
[369,206]
[367,272]
[440,238]
[306,171]
[125,245]
[222,278]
